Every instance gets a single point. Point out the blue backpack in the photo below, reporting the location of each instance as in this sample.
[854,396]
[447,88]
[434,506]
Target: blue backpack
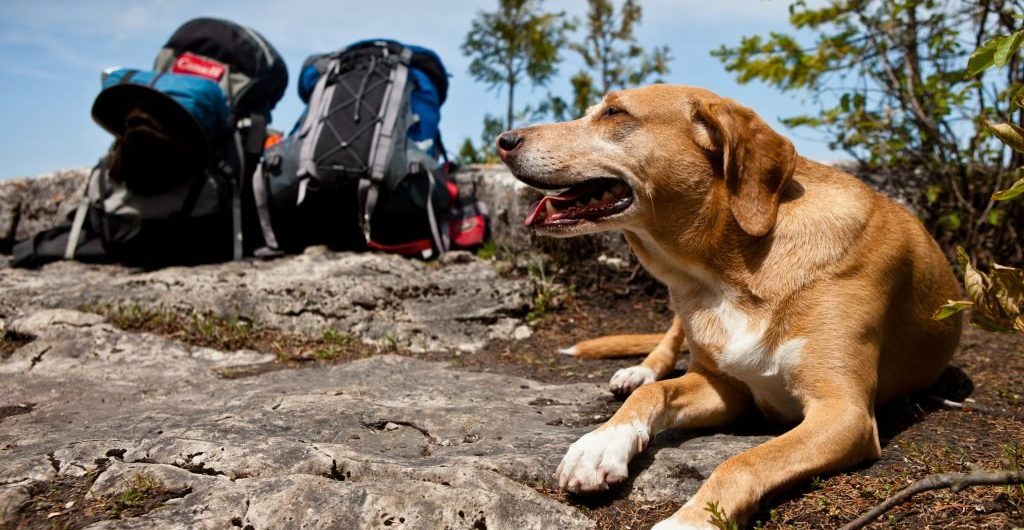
[362,169]
[188,136]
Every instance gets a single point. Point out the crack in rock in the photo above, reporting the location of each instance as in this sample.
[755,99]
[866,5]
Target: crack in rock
[36,359]
[380,425]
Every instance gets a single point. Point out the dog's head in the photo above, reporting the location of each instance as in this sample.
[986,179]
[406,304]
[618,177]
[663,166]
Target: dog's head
[653,158]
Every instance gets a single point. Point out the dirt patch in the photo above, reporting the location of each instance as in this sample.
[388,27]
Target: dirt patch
[7,411]
[10,342]
[611,511]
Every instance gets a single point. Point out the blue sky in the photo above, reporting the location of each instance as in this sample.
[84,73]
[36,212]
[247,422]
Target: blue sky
[53,53]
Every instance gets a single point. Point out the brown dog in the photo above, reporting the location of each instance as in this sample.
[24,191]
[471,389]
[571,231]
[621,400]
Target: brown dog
[799,290]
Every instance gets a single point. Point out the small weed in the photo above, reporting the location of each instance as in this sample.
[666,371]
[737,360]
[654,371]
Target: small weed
[334,336]
[388,341]
[718,518]
[142,488]
[325,354]
[489,250]
[549,294]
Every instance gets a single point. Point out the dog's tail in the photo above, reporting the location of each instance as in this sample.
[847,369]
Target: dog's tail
[614,346]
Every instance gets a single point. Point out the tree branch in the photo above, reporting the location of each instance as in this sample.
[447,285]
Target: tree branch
[953,481]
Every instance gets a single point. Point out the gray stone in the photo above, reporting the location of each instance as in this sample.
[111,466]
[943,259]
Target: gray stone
[29,205]
[12,498]
[386,441]
[382,299]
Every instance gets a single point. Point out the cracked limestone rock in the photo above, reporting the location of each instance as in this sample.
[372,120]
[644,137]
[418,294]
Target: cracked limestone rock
[382,442]
[458,304]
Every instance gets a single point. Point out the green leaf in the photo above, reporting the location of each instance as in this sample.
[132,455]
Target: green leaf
[995,216]
[1018,95]
[1006,48]
[962,259]
[951,221]
[1011,193]
[982,59]
[951,308]
[1009,133]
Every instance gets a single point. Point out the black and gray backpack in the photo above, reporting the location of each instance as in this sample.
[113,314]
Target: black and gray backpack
[361,169]
[188,136]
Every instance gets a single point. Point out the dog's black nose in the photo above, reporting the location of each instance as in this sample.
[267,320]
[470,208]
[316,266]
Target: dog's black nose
[509,140]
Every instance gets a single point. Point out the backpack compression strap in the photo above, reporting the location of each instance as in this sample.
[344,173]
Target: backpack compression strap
[383,140]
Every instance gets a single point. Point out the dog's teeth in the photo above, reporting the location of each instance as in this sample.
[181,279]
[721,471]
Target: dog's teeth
[593,201]
[549,208]
[607,196]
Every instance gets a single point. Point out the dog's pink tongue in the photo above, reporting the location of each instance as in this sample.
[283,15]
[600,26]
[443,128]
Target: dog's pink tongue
[536,209]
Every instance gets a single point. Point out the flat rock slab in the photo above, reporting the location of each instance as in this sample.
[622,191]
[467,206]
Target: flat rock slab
[458,303]
[383,442]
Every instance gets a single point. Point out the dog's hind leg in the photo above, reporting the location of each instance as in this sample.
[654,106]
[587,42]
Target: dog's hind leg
[697,399]
[658,363]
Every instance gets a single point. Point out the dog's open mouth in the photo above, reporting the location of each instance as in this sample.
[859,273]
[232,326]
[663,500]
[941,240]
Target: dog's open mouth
[589,200]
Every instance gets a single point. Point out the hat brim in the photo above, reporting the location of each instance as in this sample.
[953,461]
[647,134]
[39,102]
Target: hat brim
[114,104]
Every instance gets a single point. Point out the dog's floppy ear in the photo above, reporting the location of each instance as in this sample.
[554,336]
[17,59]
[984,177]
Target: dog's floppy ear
[757,162]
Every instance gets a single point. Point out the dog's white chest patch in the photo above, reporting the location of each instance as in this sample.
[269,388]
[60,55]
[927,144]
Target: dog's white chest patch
[739,342]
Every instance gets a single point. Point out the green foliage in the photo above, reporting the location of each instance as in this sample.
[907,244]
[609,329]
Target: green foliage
[1013,192]
[517,41]
[995,52]
[333,344]
[996,299]
[894,88]
[489,250]
[141,489]
[611,55]
[485,152]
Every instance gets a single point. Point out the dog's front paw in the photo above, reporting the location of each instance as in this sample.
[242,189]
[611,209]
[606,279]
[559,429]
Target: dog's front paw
[673,524]
[626,380]
[601,458]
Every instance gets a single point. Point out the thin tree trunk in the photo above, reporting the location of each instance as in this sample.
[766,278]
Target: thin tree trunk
[510,114]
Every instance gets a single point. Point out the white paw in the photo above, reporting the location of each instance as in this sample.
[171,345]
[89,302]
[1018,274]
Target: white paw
[571,350]
[626,380]
[673,524]
[601,458]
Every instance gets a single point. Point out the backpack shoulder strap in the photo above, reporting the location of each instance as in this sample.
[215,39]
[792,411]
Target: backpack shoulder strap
[82,210]
[319,103]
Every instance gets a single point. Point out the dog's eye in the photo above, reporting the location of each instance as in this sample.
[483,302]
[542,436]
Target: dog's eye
[611,111]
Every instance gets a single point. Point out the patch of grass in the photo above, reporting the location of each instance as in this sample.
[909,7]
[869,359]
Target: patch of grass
[142,488]
[230,334]
[489,250]
[333,336]
[548,293]
[333,345]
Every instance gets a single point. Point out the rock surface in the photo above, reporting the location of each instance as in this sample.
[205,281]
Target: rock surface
[383,442]
[456,304]
[32,204]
